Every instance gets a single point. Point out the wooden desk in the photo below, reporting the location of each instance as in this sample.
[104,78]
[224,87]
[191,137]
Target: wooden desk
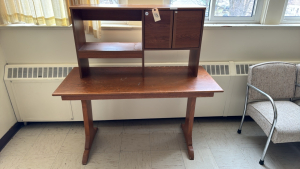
[129,83]
[180,28]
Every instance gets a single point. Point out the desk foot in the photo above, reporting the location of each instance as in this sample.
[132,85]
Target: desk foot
[187,127]
[88,147]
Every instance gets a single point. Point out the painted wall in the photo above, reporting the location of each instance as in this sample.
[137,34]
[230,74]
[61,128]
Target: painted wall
[7,117]
[44,45]
[56,45]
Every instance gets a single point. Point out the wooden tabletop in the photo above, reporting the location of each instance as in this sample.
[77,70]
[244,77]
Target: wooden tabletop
[136,7]
[128,83]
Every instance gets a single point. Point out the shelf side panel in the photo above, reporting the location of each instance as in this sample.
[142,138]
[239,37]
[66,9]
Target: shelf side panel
[79,38]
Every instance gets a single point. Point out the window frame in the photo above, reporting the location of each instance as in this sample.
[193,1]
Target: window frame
[289,19]
[257,11]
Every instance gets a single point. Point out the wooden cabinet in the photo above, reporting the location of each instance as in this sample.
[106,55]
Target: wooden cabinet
[177,30]
[158,34]
[187,29]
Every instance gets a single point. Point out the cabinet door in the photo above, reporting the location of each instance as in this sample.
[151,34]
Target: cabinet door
[187,29]
[158,34]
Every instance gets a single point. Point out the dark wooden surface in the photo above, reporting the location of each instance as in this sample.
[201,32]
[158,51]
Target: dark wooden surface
[194,58]
[187,127]
[110,50]
[106,54]
[115,15]
[90,130]
[158,34]
[136,7]
[111,46]
[127,82]
[79,38]
[187,29]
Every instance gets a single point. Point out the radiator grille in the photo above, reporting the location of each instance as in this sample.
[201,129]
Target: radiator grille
[242,69]
[217,69]
[38,72]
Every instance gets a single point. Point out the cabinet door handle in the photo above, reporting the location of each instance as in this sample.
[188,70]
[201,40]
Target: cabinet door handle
[146,13]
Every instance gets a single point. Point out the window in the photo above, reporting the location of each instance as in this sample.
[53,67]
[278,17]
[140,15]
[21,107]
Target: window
[227,11]
[235,11]
[292,12]
[205,3]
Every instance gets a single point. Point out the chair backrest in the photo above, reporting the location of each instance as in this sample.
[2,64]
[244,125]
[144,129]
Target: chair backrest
[297,93]
[277,79]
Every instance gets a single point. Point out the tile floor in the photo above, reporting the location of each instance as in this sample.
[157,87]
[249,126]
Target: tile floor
[157,144]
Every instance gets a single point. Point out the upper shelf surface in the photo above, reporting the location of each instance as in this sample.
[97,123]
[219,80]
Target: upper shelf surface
[128,82]
[111,46]
[136,7]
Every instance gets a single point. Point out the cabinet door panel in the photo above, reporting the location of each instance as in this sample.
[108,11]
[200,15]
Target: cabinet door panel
[158,34]
[187,29]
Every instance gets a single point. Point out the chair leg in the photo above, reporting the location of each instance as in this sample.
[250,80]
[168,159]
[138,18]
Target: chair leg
[261,161]
[245,107]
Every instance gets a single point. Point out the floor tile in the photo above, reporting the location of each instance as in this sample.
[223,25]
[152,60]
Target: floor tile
[32,129]
[56,128]
[110,143]
[136,126]
[198,138]
[136,160]
[113,127]
[253,156]
[228,158]
[36,162]
[9,162]
[288,156]
[47,145]
[74,143]
[244,140]
[219,139]
[19,145]
[135,142]
[203,159]
[77,128]
[171,159]
[164,141]
[68,161]
[173,125]
[204,124]
[103,161]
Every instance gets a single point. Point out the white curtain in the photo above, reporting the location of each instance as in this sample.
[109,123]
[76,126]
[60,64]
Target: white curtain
[40,12]
[90,27]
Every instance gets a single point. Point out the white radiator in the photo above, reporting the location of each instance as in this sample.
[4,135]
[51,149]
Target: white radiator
[30,88]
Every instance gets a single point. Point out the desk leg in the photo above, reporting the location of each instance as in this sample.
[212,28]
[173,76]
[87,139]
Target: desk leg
[90,130]
[187,127]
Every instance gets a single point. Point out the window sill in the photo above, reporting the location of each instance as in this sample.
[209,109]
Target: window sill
[129,27]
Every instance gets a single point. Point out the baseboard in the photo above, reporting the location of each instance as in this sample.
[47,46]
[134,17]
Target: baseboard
[9,134]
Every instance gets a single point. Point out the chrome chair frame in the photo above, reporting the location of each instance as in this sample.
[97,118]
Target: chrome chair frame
[261,162]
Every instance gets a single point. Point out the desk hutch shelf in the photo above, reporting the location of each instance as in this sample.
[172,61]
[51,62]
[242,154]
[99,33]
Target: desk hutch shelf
[180,28]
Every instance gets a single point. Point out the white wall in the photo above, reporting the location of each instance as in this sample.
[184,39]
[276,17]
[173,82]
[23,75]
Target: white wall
[44,45]
[7,117]
[56,45]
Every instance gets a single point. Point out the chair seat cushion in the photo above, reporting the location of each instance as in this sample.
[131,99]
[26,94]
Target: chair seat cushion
[287,128]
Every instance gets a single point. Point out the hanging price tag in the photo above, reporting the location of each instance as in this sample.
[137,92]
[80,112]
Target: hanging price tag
[156,14]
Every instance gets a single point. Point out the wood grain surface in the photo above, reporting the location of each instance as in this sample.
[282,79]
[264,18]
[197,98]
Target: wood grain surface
[187,29]
[128,82]
[158,34]
[110,50]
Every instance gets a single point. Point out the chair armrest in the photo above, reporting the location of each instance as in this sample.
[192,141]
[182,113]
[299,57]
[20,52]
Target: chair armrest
[272,102]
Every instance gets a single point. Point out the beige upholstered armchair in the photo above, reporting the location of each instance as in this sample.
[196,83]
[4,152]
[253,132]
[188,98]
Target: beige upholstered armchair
[271,88]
